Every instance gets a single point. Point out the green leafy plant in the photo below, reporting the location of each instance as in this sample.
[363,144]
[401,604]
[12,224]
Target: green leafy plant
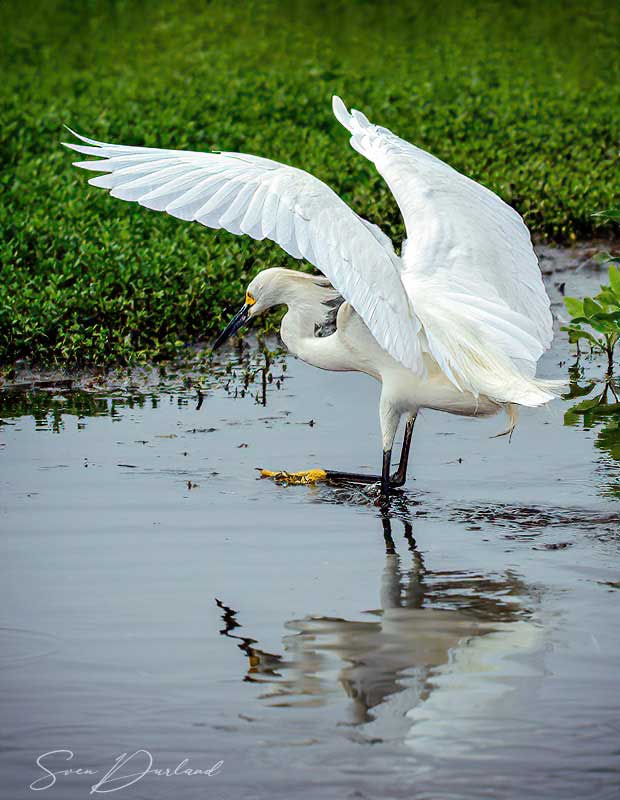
[596,320]
[504,92]
[608,215]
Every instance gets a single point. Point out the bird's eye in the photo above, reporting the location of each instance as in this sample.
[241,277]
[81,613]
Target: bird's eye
[249,299]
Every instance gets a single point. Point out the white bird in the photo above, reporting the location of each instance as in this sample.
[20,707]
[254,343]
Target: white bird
[456,322]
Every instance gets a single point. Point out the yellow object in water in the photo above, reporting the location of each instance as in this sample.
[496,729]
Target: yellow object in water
[307,478]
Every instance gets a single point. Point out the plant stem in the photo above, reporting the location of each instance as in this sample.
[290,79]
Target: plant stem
[611,342]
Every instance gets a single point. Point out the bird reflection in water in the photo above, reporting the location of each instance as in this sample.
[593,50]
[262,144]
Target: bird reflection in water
[386,664]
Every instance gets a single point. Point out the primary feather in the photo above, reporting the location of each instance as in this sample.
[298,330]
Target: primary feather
[268,200]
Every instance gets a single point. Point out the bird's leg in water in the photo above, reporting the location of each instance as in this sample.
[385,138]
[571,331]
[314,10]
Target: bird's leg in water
[400,476]
[385,474]
[336,476]
[396,480]
[313,476]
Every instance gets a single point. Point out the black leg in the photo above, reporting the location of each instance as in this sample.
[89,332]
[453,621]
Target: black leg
[357,477]
[385,474]
[400,476]
[351,477]
[360,477]
[387,482]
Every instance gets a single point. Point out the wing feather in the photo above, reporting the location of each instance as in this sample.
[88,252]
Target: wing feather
[251,224]
[468,256]
[265,199]
[467,291]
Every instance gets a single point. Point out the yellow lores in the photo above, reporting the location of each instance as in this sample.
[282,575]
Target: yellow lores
[249,299]
[307,478]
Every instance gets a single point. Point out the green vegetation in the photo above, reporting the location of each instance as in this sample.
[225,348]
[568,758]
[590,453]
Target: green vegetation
[596,321]
[524,97]
[600,314]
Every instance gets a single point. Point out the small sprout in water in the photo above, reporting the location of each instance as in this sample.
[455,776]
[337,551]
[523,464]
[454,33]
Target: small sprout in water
[596,320]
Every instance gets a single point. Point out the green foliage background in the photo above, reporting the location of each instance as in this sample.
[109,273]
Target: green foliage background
[524,97]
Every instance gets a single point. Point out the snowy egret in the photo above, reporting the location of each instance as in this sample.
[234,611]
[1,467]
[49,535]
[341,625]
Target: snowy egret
[456,322]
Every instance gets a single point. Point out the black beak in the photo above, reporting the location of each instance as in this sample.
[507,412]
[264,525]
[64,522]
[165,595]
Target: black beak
[233,326]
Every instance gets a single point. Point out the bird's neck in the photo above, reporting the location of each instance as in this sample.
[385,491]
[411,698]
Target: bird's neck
[298,335]
[297,329]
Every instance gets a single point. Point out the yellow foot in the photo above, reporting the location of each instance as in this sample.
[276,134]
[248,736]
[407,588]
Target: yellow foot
[307,478]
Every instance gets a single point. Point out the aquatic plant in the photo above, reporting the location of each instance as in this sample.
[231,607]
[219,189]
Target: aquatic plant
[596,320]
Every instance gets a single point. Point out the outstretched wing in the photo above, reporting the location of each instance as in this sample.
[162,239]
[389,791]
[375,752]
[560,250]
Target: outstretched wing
[268,200]
[469,267]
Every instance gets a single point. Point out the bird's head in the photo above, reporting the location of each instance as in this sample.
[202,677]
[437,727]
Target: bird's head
[267,289]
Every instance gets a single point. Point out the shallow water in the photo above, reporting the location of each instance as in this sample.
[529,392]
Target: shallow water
[158,596]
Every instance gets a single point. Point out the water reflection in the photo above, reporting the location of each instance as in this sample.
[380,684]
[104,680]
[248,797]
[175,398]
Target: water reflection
[600,411]
[385,664]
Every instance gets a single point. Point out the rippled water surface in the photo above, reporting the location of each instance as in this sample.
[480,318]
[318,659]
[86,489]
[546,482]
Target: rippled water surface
[157,595]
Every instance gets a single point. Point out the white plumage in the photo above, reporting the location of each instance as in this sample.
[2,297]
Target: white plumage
[268,200]
[463,308]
